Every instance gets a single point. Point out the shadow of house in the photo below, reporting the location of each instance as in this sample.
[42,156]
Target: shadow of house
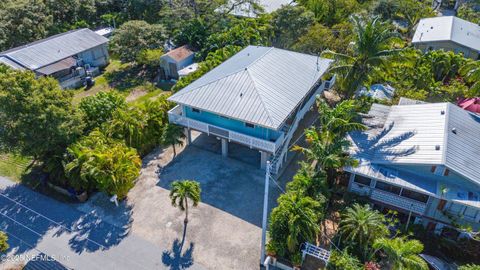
[229,185]
[30,216]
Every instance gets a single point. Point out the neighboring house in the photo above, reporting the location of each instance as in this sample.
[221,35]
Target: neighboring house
[377,91]
[422,160]
[105,32]
[256,98]
[174,61]
[68,57]
[246,9]
[448,33]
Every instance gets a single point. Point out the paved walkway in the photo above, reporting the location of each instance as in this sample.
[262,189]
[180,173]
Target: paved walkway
[146,232]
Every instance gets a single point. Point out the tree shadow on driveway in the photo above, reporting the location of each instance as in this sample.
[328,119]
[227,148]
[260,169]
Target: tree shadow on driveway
[31,217]
[174,258]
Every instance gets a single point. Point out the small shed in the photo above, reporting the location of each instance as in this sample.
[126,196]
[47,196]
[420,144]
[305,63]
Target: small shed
[175,60]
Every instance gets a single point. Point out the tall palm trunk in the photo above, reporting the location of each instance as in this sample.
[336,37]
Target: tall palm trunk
[186,211]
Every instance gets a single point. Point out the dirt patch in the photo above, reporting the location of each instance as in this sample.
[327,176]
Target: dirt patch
[136,94]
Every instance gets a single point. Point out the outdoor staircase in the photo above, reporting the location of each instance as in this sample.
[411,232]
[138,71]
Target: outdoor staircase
[279,157]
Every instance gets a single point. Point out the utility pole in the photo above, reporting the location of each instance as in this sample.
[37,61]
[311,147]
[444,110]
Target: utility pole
[409,217]
[265,212]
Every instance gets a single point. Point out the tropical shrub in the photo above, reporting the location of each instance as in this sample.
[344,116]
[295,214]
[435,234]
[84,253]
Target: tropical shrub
[97,161]
[3,242]
[469,267]
[141,126]
[293,222]
[343,261]
[401,253]
[360,226]
[99,108]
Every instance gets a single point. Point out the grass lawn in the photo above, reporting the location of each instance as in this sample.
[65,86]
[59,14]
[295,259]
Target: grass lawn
[13,166]
[125,78]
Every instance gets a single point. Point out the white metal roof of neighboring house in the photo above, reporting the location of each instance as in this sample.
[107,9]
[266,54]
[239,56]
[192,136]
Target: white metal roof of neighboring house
[422,134]
[44,52]
[258,85]
[247,10]
[6,61]
[448,28]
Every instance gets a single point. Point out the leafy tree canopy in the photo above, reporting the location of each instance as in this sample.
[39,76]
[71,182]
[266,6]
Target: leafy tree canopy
[37,116]
[99,108]
[135,36]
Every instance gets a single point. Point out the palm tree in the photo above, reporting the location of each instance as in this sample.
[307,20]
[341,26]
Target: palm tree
[401,253]
[294,221]
[173,135]
[371,50]
[471,71]
[361,225]
[182,191]
[328,143]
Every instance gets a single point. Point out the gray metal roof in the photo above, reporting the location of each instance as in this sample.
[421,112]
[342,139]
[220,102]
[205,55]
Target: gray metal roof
[421,134]
[246,9]
[462,153]
[258,85]
[6,61]
[53,49]
[448,28]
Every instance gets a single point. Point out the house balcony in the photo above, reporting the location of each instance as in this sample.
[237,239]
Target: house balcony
[176,116]
[389,198]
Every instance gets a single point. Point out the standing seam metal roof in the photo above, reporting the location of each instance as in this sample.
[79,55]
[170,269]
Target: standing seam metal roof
[448,28]
[411,133]
[55,48]
[258,85]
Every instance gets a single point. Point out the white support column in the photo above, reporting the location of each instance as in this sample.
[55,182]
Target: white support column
[188,134]
[263,159]
[224,147]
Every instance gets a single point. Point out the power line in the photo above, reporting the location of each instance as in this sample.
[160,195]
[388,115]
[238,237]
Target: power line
[52,221]
[34,248]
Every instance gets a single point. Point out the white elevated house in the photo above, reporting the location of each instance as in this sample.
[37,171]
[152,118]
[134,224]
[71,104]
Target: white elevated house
[68,57]
[256,98]
[422,160]
[448,33]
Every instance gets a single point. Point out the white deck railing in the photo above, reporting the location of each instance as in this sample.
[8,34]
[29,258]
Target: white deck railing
[175,116]
[389,198]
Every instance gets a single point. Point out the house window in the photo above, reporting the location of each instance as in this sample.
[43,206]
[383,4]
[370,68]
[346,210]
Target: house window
[362,180]
[414,195]
[388,188]
[471,213]
[249,125]
[195,110]
[455,208]
[447,172]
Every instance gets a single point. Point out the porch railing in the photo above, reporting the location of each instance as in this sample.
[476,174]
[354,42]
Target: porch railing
[389,198]
[175,116]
